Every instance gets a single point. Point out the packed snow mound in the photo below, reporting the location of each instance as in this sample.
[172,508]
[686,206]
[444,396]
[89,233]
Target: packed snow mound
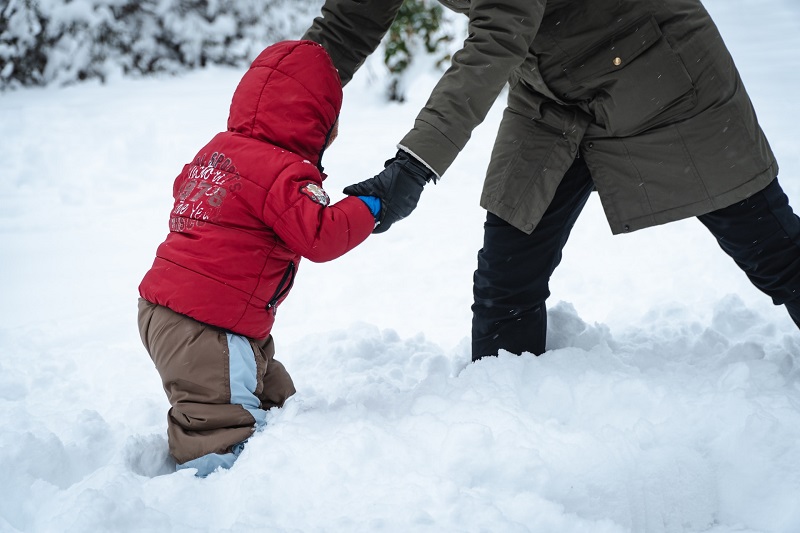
[668,399]
[672,425]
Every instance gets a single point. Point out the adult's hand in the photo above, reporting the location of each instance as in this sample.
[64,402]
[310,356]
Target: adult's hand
[398,186]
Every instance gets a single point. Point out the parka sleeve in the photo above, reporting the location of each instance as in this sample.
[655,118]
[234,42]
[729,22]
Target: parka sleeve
[350,30]
[500,36]
[297,210]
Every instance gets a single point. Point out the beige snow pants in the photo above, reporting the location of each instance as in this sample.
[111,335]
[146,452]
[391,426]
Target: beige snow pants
[195,364]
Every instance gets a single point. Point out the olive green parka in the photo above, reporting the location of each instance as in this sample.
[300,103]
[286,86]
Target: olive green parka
[644,90]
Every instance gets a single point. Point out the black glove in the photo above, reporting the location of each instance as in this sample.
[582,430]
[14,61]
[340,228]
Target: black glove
[399,186]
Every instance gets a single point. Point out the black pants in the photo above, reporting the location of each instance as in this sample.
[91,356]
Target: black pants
[511,284]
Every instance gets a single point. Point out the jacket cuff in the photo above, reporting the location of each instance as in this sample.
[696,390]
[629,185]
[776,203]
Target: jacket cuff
[430,146]
[418,159]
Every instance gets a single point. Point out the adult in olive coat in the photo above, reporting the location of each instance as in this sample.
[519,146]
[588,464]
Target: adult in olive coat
[636,99]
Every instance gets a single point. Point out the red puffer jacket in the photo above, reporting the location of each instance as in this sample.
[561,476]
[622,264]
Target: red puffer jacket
[251,202]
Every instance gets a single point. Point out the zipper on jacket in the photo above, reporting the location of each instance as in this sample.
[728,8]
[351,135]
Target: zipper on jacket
[284,286]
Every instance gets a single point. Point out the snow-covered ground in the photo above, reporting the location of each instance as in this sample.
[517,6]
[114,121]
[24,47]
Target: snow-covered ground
[669,400]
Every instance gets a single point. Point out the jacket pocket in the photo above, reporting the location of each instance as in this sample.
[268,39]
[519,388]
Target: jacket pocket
[633,81]
[284,286]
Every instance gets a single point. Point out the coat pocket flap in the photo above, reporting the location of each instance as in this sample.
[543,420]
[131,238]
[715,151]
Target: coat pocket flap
[615,53]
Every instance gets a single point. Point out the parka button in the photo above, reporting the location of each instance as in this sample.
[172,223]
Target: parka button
[617,61]
[626,228]
[590,145]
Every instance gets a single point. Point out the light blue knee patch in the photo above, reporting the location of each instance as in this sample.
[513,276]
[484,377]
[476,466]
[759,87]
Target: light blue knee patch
[243,381]
[243,378]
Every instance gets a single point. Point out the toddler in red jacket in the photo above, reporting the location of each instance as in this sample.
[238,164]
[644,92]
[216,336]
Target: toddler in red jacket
[247,207]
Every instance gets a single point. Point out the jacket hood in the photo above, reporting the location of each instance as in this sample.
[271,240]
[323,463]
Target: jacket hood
[290,97]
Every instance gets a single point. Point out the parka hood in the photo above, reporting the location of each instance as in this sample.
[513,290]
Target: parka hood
[290,97]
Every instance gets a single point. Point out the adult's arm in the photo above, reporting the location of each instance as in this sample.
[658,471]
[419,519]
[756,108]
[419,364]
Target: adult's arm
[500,36]
[350,30]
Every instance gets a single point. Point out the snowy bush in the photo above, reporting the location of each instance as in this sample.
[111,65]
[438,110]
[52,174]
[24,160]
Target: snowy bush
[56,41]
[64,41]
[420,28]
[22,58]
